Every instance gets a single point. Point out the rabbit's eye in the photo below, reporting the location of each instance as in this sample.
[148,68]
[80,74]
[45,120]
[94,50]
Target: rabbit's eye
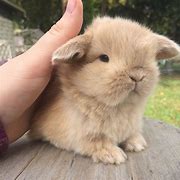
[104,58]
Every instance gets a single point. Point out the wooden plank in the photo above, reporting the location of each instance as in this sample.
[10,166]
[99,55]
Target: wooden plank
[162,158]
[84,168]
[20,154]
[51,163]
[161,161]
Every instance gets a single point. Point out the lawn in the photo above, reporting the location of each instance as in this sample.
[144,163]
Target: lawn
[164,104]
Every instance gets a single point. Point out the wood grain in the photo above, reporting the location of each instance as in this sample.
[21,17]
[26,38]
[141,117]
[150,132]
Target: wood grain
[38,160]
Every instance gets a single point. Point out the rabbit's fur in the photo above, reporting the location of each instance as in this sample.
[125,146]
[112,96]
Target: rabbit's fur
[91,106]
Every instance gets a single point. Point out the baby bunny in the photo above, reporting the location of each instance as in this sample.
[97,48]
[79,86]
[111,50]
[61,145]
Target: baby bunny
[101,81]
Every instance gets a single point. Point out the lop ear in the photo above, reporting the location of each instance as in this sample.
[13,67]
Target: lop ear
[73,50]
[167,49]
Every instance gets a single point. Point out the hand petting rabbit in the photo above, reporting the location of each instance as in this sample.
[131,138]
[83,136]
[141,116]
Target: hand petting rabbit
[100,84]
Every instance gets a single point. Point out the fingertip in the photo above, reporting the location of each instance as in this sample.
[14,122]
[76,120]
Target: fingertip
[73,18]
[73,5]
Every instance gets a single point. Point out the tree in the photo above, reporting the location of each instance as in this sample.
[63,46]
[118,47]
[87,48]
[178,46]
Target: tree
[40,14]
[88,12]
[162,16]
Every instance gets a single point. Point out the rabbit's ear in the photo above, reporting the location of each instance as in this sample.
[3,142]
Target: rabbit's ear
[167,49]
[73,50]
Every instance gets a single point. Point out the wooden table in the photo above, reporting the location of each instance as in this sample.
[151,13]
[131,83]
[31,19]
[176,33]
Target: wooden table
[37,160]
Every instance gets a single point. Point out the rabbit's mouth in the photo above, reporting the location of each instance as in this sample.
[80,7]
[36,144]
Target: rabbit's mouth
[137,87]
[135,90]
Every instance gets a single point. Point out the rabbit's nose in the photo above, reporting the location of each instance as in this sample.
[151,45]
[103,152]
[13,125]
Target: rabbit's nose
[136,78]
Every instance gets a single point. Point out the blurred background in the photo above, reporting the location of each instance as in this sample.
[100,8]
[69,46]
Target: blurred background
[23,22]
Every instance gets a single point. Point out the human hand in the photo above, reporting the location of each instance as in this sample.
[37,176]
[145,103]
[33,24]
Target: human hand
[23,78]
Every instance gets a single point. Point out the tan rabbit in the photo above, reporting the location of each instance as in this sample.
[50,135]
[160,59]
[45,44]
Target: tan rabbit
[98,92]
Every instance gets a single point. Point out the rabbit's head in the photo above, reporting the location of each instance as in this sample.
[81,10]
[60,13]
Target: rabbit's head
[115,60]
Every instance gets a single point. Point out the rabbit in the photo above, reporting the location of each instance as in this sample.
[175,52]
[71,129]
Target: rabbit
[98,91]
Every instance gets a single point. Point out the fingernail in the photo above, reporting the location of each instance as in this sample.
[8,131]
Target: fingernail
[71,6]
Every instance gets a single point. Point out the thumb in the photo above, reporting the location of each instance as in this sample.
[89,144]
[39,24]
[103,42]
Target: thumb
[23,78]
[39,55]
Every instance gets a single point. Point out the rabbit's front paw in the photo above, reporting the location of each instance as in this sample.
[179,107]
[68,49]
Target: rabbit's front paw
[110,155]
[135,143]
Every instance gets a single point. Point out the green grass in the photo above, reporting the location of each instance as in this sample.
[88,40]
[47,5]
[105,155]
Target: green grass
[164,104]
